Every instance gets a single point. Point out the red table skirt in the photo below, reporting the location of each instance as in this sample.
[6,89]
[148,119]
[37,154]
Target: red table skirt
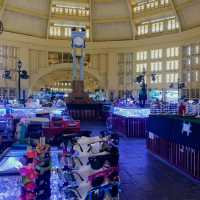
[130,127]
[185,158]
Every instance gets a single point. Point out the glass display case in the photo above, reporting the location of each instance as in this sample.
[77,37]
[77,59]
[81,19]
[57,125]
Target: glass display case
[155,95]
[2,111]
[25,112]
[172,96]
[9,164]
[132,112]
[31,112]
[11,161]
[55,111]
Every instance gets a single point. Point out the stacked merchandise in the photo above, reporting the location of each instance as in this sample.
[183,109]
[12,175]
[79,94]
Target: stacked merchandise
[89,168]
[29,175]
[36,174]
[43,169]
[82,168]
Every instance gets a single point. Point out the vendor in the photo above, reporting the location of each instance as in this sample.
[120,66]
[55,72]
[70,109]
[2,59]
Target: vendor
[32,104]
[59,103]
[182,109]
[29,101]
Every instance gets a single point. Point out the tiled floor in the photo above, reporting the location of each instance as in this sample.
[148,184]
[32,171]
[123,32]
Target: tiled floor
[144,177]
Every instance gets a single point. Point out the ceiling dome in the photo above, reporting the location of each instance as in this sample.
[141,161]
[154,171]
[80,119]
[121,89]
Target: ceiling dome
[104,20]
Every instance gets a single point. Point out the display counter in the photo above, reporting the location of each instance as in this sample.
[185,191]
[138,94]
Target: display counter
[32,112]
[6,129]
[94,111]
[177,140]
[11,160]
[130,122]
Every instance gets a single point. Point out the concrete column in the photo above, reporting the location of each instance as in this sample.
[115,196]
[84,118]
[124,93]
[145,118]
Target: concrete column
[24,57]
[102,63]
[82,65]
[74,65]
[94,61]
[112,76]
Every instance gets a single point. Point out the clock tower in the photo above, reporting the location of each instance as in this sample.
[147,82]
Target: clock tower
[78,45]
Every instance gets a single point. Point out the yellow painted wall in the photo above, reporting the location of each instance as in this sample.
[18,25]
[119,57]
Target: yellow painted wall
[33,52]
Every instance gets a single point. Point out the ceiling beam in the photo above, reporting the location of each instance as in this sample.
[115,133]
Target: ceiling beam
[70,18]
[82,1]
[104,1]
[33,13]
[2,7]
[186,3]
[71,1]
[91,3]
[133,26]
[176,14]
[152,14]
[49,18]
[111,20]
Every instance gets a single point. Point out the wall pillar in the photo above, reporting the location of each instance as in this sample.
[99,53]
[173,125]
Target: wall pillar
[112,75]
[24,57]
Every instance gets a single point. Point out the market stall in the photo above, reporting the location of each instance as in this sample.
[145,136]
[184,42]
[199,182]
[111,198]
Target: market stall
[94,111]
[48,122]
[72,171]
[177,140]
[130,122]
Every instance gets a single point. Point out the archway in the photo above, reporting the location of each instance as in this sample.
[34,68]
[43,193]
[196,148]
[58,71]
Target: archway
[62,72]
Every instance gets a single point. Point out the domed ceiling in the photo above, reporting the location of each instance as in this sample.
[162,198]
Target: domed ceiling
[104,19]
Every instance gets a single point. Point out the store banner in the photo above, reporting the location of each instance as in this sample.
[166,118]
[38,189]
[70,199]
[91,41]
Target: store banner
[179,130]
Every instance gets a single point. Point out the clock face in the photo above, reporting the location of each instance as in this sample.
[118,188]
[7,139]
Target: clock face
[78,41]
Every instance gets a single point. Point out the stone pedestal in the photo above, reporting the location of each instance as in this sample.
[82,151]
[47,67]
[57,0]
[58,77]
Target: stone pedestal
[78,95]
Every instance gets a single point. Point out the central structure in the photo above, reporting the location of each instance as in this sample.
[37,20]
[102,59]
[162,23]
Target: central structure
[78,94]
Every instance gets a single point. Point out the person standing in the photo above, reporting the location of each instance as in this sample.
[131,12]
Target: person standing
[182,109]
